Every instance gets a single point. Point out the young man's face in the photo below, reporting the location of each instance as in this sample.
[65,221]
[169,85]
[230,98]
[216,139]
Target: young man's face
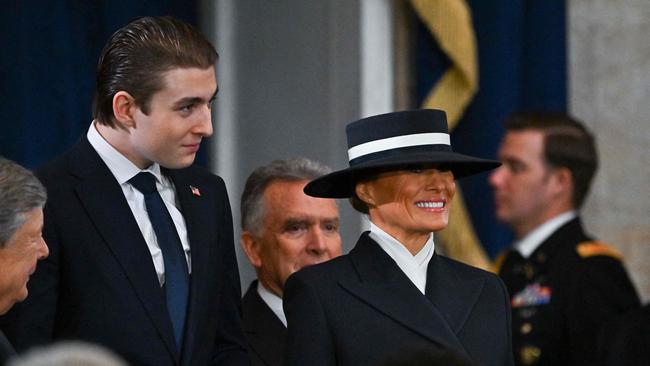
[297,231]
[522,187]
[18,259]
[179,118]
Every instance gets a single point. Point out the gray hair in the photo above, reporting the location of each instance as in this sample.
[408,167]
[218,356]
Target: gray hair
[290,170]
[20,192]
[68,354]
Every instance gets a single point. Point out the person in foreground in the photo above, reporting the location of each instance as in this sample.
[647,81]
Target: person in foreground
[22,198]
[142,257]
[392,292]
[68,353]
[563,284]
[283,230]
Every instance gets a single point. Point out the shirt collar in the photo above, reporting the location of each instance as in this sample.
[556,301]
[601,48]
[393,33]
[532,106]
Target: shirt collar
[529,243]
[414,266]
[121,167]
[273,301]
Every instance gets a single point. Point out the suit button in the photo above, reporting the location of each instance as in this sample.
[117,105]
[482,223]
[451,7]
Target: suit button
[525,328]
[529,355]
[529,271]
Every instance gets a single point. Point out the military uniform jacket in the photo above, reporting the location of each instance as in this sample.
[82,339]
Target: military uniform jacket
[561,295]
[360,308]
[625,341]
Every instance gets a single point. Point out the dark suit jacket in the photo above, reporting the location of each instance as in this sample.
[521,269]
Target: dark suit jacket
[99,283]
[6,349]
[360,308]
[265,332]
[584,292]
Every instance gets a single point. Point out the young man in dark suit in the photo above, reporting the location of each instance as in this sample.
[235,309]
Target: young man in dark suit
[284,230]
[142,257]
[21,244]
[563,285]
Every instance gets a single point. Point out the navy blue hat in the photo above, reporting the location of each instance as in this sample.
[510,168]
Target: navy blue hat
[396,140]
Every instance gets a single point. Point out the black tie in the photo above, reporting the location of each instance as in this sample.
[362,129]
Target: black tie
[176,273]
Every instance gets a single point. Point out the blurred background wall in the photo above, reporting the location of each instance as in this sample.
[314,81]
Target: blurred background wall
[610,91]
[293,73]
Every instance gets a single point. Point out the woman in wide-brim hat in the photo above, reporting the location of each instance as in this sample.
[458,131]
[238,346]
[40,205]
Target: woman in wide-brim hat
[392,293]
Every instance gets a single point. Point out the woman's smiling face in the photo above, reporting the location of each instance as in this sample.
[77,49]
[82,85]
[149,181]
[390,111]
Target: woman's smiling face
[409,204]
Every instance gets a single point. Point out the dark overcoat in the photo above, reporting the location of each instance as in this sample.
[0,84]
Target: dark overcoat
[360,308]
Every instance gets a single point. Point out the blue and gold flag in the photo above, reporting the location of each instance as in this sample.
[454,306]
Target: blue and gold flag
[480,61]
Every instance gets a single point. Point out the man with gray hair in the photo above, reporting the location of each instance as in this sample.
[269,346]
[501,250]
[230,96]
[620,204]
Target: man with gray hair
[22,198]
[283,230]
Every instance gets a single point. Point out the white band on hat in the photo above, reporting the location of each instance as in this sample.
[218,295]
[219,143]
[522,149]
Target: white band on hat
[390,143]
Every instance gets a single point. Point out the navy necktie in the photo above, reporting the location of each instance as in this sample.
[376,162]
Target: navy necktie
[176,273]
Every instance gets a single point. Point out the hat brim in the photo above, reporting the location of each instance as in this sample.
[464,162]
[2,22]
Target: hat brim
[341,183]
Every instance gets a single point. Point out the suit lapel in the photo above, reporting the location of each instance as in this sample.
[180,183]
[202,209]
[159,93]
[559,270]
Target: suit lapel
[200,231]
[454,296]
[104,201]
[383,286]
[6,349]
[265,332]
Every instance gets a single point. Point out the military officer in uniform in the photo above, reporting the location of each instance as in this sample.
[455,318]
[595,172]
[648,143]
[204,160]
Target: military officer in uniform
[563,284]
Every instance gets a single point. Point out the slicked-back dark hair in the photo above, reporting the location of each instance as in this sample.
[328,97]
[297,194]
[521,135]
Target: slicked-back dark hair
[567,144]
[138,54]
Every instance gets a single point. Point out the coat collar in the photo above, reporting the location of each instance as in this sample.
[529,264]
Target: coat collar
[567,236]
[438,316]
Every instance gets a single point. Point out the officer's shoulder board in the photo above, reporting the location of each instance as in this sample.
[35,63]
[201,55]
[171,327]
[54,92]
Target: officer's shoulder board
[588,249]
[498,262]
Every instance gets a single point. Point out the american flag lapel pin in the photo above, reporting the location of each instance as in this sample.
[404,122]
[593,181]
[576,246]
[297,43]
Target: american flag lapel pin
[195,191]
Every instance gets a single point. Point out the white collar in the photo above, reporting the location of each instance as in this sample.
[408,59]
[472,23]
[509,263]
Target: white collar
[273,301]
[527,245]
[121,167]
[413,266]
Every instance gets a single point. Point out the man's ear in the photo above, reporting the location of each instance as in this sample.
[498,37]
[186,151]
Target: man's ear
[363,191]
[251,247]
[563,181]
[124,108]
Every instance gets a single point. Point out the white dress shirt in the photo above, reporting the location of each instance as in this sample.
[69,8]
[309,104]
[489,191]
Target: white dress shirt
[123,170]
[413,266]
[273,301]
[527,245]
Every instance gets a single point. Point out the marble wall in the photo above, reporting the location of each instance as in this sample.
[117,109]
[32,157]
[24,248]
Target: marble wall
[609,68]
[288,84]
